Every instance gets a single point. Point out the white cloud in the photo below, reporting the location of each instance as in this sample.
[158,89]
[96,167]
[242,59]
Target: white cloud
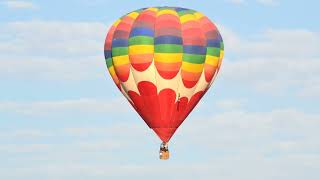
[282,137]
[115,128]
[76,106]
[23,134]
[263,2]
[52,50]
[24,148]
[231,103]
[53,38]
[273,75]
[59,69]
[310,91]
[288,43]
[275,61]
[238,2]
[13,4]
[280,144]
[268,2]
[250,169]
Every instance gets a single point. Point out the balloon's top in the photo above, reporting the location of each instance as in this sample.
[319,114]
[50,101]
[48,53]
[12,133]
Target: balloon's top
[180,10]
[166,7]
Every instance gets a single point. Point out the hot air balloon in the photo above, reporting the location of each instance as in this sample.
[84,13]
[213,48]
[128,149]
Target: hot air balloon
[163,60]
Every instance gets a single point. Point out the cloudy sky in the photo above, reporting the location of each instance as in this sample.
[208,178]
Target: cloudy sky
[61,117]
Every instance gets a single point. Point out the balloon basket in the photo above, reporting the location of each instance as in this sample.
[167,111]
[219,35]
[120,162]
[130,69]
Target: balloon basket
[164,151]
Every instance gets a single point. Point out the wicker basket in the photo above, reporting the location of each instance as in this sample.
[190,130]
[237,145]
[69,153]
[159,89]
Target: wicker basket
[164,155]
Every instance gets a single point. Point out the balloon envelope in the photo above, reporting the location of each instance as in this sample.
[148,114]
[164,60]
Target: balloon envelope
[163,60]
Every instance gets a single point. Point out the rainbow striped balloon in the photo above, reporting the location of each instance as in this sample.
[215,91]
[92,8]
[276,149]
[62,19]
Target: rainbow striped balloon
[163,60]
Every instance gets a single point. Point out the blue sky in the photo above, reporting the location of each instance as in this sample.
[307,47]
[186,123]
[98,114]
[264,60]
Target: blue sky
[61,117]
